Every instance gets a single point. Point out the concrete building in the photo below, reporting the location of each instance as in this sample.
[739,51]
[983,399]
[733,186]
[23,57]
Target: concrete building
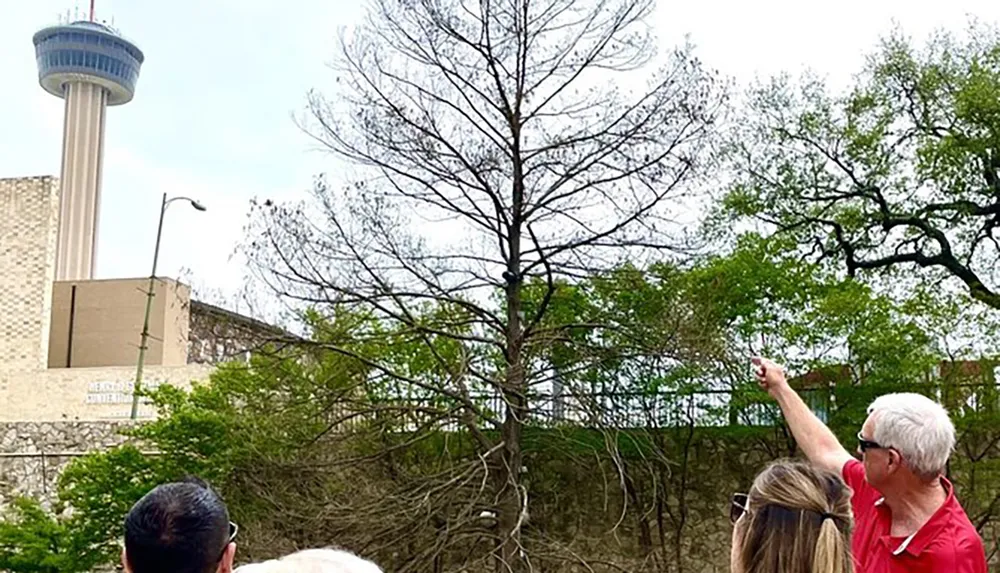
[29,389]
[69,344]
[68,349]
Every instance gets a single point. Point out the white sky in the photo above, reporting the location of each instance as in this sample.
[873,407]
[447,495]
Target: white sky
[212,115]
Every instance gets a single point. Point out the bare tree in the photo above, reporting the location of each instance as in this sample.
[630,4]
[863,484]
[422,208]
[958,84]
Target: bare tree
[496,146]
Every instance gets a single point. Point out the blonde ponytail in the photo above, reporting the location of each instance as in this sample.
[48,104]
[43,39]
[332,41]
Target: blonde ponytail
[832,555]
[797,520]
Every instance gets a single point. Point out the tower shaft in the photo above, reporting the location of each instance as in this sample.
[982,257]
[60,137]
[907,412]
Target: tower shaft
[82,165]
[92,67]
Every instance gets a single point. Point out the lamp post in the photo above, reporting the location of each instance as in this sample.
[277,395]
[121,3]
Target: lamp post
[149,298]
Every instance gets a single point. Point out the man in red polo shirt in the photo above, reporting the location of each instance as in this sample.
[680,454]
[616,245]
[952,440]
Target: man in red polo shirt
[905,512]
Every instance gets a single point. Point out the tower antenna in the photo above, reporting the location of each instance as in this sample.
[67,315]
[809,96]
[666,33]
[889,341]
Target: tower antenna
[91,10]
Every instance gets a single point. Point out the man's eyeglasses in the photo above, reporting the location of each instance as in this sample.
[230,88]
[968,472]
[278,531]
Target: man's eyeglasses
[738,506]
[233,530]
[865,445]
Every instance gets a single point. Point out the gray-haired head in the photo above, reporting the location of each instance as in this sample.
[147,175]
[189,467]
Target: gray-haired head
[314,561]
[918,428]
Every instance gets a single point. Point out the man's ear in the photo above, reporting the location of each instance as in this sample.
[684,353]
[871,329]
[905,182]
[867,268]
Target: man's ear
[228,556]
[895,460]
[125,562]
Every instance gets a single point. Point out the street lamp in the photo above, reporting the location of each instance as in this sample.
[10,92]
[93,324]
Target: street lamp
[149,298]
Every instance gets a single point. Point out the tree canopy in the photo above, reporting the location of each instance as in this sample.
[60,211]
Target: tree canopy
[900,172]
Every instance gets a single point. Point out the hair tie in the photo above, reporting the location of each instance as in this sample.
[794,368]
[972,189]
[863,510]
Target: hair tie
[826,516]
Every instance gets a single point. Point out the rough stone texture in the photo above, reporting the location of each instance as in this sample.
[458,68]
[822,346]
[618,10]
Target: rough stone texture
[576,503]
[33,453]
[217,335]
[29,216]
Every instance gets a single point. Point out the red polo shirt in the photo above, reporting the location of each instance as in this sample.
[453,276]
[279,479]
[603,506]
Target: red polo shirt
[947,542]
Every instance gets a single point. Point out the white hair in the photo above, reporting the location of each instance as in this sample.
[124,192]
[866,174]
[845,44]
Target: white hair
[314,561]
[917,427]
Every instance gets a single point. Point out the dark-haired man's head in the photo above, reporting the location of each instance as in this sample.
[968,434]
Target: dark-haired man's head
[179,528]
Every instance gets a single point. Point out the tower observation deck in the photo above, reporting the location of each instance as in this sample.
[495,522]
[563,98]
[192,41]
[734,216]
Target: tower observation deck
[90,66]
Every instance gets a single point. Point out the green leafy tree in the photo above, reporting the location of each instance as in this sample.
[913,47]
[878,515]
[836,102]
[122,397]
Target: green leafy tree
[307,446]
[33,540]
[901,172]
[673,363]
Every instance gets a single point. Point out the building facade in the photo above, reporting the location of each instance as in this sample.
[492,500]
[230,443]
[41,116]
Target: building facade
[69,349]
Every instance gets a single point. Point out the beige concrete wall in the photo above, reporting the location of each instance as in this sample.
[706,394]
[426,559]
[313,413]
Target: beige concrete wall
[85,394]
[107,323]
[29,216]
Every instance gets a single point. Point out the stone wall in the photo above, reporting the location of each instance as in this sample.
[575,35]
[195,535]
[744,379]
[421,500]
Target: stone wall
[33,453]
[219,335]
[668,513]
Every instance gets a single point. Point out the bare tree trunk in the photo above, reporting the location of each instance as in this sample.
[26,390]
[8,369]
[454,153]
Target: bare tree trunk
[512,502]
[498,117]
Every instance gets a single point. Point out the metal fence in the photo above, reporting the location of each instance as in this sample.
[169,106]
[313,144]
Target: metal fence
[586,409]
[703,408]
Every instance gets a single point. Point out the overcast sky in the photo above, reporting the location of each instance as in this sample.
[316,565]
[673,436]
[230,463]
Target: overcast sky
[212,115]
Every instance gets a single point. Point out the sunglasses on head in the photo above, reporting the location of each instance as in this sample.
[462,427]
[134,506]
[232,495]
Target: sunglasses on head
[738,506]
[865,445]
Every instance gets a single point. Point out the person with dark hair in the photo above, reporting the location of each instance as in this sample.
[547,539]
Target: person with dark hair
[180,527]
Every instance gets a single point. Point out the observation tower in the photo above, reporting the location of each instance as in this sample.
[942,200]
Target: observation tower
[90,66]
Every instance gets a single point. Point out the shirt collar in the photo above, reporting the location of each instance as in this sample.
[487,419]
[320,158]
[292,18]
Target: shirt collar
[918,541]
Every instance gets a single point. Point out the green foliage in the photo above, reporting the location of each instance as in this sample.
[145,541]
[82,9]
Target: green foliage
[33,540]
[902,170]
[310,445]
[318,444]
[277,436]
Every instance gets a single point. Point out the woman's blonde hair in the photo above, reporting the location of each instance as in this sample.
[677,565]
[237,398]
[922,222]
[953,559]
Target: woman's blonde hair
[314,561]
[798,520]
